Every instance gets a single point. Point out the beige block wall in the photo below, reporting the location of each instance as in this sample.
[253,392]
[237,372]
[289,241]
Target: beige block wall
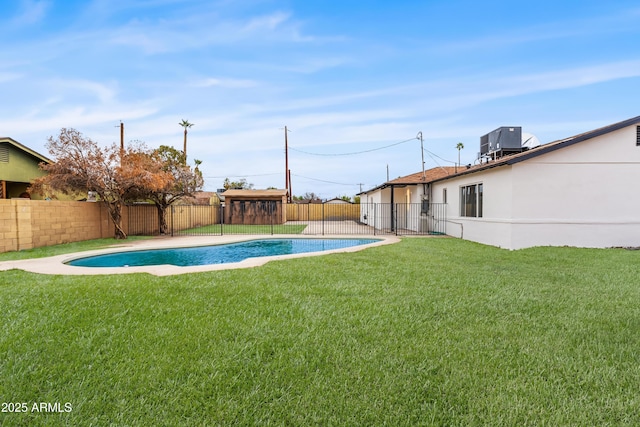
[26,224]
[8,226]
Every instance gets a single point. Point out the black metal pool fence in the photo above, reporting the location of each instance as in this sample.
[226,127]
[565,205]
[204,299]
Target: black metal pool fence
[310,219]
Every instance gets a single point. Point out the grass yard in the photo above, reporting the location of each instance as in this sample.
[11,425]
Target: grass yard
[425,332]
[66,248]
[245,229]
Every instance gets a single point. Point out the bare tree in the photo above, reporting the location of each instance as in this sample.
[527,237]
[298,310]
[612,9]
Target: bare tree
[185,182]
[115,176]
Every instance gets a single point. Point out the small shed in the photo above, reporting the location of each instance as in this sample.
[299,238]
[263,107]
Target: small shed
[255,207]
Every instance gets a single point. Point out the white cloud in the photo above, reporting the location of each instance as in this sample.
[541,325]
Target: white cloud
[31,12]
[226,83]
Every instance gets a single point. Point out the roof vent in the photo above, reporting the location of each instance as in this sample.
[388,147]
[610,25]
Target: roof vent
[4,154]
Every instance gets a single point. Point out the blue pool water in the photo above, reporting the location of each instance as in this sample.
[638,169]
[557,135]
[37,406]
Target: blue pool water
[217,254]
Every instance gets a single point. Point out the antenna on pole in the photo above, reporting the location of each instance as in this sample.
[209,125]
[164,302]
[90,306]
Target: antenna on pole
[419,136]
[121,140]
[287,172]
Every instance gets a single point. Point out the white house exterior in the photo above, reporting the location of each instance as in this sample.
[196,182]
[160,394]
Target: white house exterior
[399,203]
[580,191]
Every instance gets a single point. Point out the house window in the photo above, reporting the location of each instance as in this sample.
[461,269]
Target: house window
[638,135]
[444,195]
[471,200]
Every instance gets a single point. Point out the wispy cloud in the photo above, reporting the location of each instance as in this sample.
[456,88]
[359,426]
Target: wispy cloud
[30,12]
[208,29]
[229,83]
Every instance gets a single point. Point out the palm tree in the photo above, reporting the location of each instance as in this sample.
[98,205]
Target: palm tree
[185,124]
[459,146]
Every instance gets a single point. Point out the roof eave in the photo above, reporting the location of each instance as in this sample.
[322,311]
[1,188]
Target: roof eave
[26,149]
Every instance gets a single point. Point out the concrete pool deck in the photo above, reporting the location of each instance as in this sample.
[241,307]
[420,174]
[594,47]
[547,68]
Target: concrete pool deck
[56,264]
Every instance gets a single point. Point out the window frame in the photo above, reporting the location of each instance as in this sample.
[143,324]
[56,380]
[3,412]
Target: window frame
[471,200]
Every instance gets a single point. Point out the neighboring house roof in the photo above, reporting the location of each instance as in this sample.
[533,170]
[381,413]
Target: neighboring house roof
[545,148]
[307,201]
[206,198]
[337,200]
[417,178]
[25,149]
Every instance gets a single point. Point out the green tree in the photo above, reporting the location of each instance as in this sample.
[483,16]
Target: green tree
[459,146]
[242,184]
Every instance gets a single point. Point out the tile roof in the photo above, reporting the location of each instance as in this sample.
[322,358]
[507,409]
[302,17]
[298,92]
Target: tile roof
[416,178]
[429,175]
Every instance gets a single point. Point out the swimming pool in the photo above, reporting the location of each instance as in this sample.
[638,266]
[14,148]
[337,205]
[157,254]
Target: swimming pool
[217,254]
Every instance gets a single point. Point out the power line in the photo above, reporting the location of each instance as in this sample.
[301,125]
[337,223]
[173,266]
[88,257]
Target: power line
[430,153]
[322,180]
[242,176]
[352,153]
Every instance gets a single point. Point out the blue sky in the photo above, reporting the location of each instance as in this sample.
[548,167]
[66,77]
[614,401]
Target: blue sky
[344,77]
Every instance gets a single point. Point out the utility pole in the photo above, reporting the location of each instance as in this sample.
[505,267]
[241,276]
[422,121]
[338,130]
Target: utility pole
[419,136]
[287,172]
[121,141]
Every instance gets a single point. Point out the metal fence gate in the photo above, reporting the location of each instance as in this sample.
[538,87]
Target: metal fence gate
[313,219]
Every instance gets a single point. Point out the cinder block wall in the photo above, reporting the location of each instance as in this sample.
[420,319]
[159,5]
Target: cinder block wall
[8,226]
[26,224]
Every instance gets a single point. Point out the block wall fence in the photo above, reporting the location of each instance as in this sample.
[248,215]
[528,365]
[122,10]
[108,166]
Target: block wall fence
[27,224]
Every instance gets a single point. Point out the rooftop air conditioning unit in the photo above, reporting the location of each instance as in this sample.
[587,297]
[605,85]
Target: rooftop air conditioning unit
[504,139]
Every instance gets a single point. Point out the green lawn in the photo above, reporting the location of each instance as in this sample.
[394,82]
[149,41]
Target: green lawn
[67,248]
[424,332]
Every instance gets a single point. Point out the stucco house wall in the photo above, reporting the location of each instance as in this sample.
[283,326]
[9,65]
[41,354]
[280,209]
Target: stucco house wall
[581,194]
[408,193]
[494,227]
[18,167]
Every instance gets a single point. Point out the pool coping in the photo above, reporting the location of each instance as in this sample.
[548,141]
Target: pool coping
[56,264]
